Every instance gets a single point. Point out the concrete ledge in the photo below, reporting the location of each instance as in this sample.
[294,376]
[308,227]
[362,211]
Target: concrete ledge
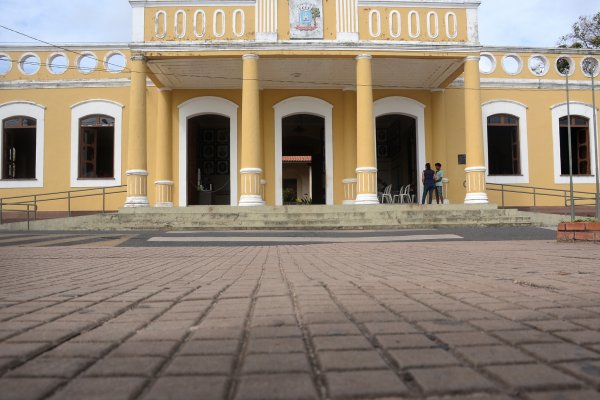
[286,218]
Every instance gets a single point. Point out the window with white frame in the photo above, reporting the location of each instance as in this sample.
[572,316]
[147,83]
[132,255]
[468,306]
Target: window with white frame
[505,142]
[21,145]
[96,147]
[18,151]
[96,143]
[503,145]
[580,145]
[582,142]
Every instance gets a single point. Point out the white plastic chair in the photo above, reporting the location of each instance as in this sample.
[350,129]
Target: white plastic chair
[387,194]
[405,195]
[398,197]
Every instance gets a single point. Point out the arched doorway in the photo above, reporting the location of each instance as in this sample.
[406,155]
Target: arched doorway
[208,160]
[410,115]
[307,107]
[303,159]
[397,152]
[190,120]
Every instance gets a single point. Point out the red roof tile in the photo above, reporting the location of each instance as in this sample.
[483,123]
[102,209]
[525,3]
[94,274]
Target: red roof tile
[296,159]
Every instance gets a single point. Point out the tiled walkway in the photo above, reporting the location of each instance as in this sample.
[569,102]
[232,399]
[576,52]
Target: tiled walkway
[467,320]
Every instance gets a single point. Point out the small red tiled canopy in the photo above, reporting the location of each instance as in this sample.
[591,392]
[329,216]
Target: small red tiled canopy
[296,159]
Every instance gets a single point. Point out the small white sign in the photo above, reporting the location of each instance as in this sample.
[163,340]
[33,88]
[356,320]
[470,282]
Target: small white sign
[306,19]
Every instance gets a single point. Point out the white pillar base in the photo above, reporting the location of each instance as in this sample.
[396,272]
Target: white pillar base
[349,202]
[366,199]
[164,205]
[137,202]
[347,37]
[266,36]
[251,201]
[476,198]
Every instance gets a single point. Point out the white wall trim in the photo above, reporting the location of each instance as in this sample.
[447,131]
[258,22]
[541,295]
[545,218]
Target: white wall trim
[109,102]
[202,106]
[304,105]
[519,110]
[412,108]
[138,24]
[32,110]
[509,101]
[472,26]
[559,111]
[95,107]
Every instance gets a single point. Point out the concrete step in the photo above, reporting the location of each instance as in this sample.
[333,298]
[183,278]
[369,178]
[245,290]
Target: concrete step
[294,217]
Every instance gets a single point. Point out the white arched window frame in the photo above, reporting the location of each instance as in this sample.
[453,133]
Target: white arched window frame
[203,106]
[96,107]
[559,111]
[304,105]
[519,110]
[411,108]
[31,110]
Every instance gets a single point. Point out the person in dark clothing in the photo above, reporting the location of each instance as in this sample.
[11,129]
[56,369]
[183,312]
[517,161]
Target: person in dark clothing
[427,178]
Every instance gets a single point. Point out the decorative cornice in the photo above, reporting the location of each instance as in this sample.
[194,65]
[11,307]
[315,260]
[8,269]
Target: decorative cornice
[499,83]
[305,45]
[189,3]
[68,84]
[68,46]
[421,3]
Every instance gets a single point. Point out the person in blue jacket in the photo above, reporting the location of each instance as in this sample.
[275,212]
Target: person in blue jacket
[427,178]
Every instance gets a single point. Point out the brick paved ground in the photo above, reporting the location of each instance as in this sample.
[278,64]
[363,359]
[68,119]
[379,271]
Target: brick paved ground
[477,321]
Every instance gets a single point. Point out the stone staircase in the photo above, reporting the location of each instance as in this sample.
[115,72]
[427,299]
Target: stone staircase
[315,217]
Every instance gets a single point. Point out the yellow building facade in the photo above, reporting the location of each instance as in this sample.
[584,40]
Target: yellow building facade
[208,99]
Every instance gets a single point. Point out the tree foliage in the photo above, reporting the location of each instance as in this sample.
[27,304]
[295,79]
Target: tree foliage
[585,33]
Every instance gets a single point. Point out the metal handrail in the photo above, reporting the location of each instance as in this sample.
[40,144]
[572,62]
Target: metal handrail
[68,195]
[536,191]
[28,206]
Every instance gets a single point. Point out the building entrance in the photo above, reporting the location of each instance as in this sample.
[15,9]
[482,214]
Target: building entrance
[208,172]
[397,152]
[303,159]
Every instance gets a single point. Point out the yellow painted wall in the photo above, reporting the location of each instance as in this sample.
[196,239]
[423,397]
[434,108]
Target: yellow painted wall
[58,125]
[45,57]
[186,27]
[525,73]
[539,131]
[387,13]
[57,141]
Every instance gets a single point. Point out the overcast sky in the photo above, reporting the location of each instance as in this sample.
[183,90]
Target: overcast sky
[538,23]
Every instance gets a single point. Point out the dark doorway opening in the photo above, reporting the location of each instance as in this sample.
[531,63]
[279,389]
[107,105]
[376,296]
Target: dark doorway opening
[396,152]
[208,174]
[18,144]
[503,145]
[303,135]
[580,145]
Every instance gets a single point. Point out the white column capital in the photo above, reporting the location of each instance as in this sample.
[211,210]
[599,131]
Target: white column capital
[364,56]
[250,57]
[138,57]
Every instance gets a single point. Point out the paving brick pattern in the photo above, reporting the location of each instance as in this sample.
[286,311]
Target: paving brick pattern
[473,321]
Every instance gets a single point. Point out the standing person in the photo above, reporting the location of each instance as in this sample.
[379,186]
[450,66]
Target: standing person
[428,183]
[439,184]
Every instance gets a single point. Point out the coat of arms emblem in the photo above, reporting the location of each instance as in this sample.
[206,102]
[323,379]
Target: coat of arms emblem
[306,20]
